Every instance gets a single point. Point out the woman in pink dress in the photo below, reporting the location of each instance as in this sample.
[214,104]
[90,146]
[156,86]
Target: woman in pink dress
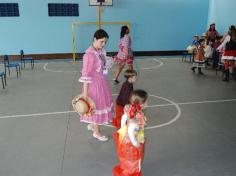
[125,54]
[95,85]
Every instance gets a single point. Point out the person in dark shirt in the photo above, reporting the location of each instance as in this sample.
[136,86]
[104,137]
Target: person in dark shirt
[124,95]
[229,57]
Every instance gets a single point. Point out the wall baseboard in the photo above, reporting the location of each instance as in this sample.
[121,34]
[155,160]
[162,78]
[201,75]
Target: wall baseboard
[79,55]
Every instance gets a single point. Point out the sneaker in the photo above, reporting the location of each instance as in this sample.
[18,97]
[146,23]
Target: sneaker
[100,138]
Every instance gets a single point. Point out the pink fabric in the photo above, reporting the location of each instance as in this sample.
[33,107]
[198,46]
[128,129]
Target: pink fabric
[211,35]
[98,90]
[124,44]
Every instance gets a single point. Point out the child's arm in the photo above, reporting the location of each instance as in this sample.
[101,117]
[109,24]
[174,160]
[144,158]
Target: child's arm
[124,119]
[131,132]
[223,44]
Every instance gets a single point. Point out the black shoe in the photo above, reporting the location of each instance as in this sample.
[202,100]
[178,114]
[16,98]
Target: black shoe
[193,69]
[234,73]
[225,79]
[226,76]
[200,73]
[116,81]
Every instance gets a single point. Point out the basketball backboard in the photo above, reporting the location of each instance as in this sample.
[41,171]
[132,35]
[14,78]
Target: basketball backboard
[100,2]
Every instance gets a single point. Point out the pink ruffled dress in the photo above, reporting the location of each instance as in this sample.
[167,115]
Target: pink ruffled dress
[94,62]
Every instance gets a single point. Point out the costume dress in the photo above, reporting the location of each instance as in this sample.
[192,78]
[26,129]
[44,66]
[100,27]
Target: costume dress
[122,57]
[130,143]
[94,64]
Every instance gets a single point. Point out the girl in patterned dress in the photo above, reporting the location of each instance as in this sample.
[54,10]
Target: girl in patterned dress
[125,53]
[95,85]
[129,139]
[199,59]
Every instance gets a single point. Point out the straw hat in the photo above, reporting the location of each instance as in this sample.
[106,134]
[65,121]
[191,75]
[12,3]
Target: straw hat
[82,106]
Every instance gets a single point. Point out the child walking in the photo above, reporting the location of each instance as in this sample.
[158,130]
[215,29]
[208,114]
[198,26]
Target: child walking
[129,139]
[199,59]
[124,95]
[125,53]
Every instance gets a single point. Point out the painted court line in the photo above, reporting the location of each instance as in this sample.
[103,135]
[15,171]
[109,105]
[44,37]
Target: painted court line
[160,63]
[39,114]
[162,105]
[195,102]
[56,71]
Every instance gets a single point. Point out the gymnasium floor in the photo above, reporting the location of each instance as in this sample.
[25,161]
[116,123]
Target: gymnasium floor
[191,123]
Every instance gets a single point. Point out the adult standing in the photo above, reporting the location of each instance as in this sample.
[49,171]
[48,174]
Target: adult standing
[95,85]
[212,33]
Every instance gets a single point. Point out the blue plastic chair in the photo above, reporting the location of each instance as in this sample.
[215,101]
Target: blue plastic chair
[9,65]
[23,59]
[3,76]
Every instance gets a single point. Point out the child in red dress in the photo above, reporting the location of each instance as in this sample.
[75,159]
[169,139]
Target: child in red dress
[124,95]
[129,139]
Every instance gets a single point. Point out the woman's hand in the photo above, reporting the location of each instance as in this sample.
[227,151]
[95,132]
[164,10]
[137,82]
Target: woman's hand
[85,91]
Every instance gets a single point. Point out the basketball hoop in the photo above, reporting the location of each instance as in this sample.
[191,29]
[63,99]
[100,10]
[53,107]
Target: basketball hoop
[100,2]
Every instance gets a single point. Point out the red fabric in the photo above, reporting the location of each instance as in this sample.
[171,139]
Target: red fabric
[230,53]
[116,138]
[130,60]
[117,171]
[199,56]
[129,156]
[135,108]
[130,152]
[117,119]
[228,64]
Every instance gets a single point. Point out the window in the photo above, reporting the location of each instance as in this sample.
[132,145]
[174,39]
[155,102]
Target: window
[9,9]
[63,9]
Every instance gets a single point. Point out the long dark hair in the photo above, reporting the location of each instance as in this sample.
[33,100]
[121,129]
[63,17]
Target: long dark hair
[123,31]
[232,27]
[233,34]
[210,29]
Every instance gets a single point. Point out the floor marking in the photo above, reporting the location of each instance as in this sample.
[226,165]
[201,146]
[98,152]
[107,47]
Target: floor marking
[151,127]
[173,119]
[194,102]
[154,67]
[56,71]
[151,106]
[67,71]
[32,115]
